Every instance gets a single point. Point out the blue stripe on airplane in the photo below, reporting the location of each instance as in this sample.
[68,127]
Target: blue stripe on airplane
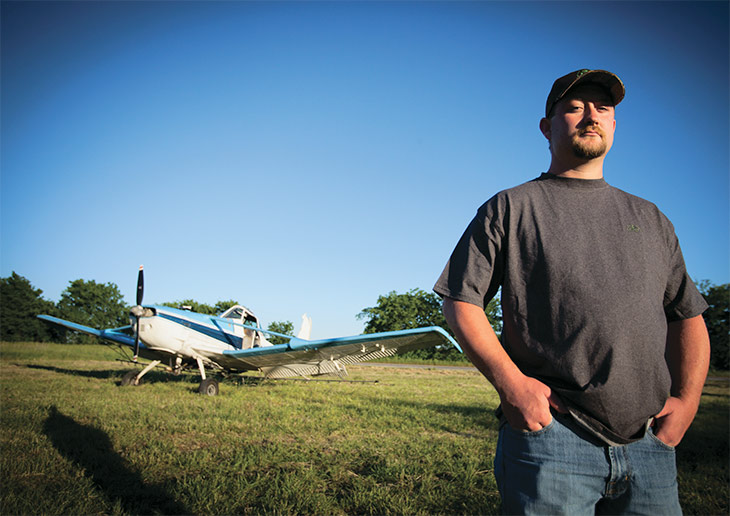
[205,330]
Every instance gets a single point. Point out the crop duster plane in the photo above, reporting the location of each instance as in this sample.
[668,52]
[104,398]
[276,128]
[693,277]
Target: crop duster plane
[234,342]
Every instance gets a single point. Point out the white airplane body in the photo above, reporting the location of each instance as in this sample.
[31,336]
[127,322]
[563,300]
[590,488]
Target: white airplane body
[234,342]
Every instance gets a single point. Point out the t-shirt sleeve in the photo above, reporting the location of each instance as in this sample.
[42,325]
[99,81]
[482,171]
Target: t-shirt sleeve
[682,300]
[474,271]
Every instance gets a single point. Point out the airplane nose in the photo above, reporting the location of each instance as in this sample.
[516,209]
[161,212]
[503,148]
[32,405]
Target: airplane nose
[141,311]
[137,311]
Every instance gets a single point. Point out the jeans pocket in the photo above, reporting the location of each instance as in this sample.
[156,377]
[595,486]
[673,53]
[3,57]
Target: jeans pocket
[527,433]
[659,442]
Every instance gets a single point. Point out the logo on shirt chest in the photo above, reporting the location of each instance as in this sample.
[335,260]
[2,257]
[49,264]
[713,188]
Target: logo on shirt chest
[633,228]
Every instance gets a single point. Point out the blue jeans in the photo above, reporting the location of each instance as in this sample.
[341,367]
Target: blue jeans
[557,471]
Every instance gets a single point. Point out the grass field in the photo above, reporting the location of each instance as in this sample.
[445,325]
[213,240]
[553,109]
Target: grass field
[396,441]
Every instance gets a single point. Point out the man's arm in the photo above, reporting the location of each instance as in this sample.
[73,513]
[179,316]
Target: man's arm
[526,401]
[688,357]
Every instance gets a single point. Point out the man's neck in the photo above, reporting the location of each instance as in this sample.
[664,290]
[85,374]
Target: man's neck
[579,169]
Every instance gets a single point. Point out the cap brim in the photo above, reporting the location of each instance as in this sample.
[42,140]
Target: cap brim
[607,80]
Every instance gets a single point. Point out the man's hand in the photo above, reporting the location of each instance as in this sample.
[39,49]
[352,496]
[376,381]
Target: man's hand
[688,357]
[526,405]
[673,420]
[526,401]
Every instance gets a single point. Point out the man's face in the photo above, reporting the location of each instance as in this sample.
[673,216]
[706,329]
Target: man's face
[583,123]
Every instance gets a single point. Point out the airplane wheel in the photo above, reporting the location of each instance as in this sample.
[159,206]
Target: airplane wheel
[208,387]
[128,379]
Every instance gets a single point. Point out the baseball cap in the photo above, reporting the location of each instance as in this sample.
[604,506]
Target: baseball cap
[561,86]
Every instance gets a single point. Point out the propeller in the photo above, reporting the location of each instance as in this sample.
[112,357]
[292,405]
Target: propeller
[140,285]
[138,309]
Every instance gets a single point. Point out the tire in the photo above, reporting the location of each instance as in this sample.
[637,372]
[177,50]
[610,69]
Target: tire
[209,387]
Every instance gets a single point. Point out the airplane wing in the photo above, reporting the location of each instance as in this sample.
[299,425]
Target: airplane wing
[114,335]
[329,356]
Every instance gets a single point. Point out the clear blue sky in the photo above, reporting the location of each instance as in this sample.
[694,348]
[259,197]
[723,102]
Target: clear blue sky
[311,156]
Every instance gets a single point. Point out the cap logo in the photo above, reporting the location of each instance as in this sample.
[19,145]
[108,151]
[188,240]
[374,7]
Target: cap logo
[581,73]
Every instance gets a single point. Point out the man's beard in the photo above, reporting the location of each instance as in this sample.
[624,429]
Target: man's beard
[589,149]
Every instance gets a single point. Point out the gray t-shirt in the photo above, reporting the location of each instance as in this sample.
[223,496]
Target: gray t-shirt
[590,275]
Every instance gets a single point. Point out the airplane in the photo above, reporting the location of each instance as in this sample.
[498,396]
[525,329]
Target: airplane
[234,342]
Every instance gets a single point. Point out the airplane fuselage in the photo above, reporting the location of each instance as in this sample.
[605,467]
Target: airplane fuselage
[192,335]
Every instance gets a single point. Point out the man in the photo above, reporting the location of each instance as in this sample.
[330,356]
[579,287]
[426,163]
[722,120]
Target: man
[604,350]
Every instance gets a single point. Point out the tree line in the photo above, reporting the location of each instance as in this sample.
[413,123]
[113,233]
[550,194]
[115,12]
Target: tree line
[98,305]
[101,305]
[416,309]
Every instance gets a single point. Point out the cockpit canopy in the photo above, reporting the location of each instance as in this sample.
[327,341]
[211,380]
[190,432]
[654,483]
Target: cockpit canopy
[241,314]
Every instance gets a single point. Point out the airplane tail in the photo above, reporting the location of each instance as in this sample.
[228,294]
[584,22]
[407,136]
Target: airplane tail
[306,329]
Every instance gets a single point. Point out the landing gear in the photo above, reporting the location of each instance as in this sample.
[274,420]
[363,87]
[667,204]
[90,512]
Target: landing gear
[209,387]
[130,378]
[135,378]
[177,367]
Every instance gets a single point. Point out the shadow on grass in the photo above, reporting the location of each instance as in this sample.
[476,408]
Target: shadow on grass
[102,375]
[91,450]
[151,377]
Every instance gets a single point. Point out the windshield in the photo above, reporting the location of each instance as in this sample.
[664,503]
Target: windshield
[233,313]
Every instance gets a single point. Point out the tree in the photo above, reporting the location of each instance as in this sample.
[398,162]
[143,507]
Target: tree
[194,306]
[20,302]
[99,305]
[285,327]
[716,319]
[222,306]
[416,309]
[494,313]
[202,308]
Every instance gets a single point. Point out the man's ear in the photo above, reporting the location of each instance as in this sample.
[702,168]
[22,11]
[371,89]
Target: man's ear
[546,128]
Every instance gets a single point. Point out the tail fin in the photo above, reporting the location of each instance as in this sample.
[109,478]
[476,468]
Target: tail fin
[306,328]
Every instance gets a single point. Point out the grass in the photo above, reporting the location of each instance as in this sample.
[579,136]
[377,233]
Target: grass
[401,441]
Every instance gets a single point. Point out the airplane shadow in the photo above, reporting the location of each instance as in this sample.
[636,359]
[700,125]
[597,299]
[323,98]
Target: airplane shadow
[151,377]
[91,450]
[101,375]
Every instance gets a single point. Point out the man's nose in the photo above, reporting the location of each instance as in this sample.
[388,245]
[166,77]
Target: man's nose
[590,113]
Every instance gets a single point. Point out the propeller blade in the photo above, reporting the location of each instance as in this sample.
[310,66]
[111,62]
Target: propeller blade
[140,285]
[140,295]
